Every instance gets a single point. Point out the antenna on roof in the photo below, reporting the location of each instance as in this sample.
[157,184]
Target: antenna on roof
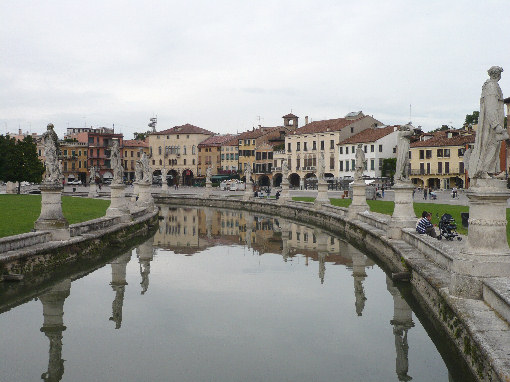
[410,113]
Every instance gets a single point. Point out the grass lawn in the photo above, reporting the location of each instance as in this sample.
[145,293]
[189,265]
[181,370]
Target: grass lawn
[437,210]
[19,212]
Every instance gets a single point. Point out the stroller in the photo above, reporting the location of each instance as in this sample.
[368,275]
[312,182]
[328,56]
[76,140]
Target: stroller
[448,228]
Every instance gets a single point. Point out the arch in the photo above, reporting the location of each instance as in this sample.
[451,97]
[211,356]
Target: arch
[187,177]
[433,183]
[294,179]
[156,173]
[457,182]
[328,175]
[264,181]
[172,177]
[277,179]
[310,175]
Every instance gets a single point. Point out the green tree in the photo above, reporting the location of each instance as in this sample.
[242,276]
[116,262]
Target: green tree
[141,136]
[19,161]
[389,166]
[471,119]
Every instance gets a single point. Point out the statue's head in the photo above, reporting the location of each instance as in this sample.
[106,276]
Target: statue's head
[50,126]
[495,72]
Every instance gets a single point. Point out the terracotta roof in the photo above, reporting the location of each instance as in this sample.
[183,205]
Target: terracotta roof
[274,135]
[135,143]
[506,100]
[184,129]
[440,139]
[233,142]
[326,125]
[216,140]
[253,134]
[290,116]
[369,135]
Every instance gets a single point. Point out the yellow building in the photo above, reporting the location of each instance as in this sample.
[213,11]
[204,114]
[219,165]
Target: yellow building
[437,160]
[209,154]
[176,150]
[230,156]
[132,151]
[74,161]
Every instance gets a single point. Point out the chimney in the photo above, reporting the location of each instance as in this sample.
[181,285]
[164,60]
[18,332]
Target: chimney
[306,120]
[19,132]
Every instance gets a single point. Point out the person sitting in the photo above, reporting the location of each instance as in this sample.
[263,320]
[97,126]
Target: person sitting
[425,226]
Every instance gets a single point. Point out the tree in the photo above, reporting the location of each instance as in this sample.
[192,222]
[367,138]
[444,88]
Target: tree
[471,119]
[389,166]
[141,136]
[19,161]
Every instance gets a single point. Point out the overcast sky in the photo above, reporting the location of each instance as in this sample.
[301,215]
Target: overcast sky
[222,64]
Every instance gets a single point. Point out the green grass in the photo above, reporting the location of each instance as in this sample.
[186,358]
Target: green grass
[19,212]
[437,210]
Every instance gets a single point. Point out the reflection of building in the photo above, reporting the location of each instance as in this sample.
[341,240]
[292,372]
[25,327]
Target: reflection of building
[178,230]
[119,286]
[402,321]
[53,326]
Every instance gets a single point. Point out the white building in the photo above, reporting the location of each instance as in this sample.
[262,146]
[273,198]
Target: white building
[378,143]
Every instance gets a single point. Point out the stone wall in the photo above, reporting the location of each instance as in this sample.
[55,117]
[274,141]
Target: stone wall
[477,328]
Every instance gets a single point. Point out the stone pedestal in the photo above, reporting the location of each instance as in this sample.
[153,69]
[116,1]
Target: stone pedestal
[118,206]
[322,193]
[52,218]
[208,188]
[145,199]
[93,191]
[248,192]
[403,214]
[359,198]
[10,188]
[486,252]
[285,194]
[164,186]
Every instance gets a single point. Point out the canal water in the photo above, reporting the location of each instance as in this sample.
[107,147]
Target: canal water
[221,295]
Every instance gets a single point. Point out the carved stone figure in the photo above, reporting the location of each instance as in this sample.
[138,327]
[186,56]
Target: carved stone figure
[208,174]
[247,174]
[116,163]
[285,169]
[146,169]
[484,160]
[92,178]
[403,145]
[360,162]
[321,167]
[138,171]
[50,141]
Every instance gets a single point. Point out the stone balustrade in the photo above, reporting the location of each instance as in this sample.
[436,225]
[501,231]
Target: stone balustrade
[14,242]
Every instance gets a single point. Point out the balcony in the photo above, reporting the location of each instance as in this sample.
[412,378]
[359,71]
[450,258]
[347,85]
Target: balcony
[435,172]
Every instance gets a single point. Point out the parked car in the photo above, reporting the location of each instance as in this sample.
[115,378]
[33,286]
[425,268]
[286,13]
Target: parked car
[74,182]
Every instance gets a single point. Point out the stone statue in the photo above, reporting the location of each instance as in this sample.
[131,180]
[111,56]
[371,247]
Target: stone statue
[146,169]
[484,160]
[138,171]
[208,174]
[403,145]
[360,162]
[247,173]
[92,178]
[50,141]
[285,169]
[116,164]
[321,167]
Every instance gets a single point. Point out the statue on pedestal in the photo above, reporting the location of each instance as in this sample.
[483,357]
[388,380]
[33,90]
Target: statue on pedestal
[360,162]
[403,145]
[321,167]
[146,169]
[138,171]
[285,169]
[51,163]
[208,174]
[247,174]
[484,159]
[92,178]
[116,163]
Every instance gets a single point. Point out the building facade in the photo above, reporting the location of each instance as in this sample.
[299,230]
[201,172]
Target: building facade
[230,156]
[73,155]
[176,150]
[378,143]
[209,154]
[132,152]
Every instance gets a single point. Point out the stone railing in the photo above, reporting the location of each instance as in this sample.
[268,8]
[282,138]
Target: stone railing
[12,243]
[92,225]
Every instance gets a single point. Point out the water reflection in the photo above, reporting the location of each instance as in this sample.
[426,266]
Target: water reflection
[53,326]
[191,231]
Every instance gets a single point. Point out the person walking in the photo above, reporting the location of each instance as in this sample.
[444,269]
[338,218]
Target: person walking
[382,191]
[425,191]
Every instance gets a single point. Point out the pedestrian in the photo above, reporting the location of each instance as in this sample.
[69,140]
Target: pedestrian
[425,191]
[425,226]
[414,190]
[382,191]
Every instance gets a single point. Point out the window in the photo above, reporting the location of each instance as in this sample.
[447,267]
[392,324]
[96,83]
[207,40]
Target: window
[346,150]
[353,149]
[422,168]
[460,152]
[346,165]
[264,155]
[322,145]
[305,147]
[184,162]
[187,136]
[290,163]
[439,153]
[353,164]
[270,155]
[184,149]
[298,163]
[222,156]
[428,154]
[159,150]
[394,150]
[258,156]
[160,162]
[380,163]
[428,168]
[65,152]
[314,145]
[365,149]
[372,148]
[372,164]
[240,142]
[193,161]
[461,167]
[177,136]
[380,148]
[341,165]
[298,147]
[332,144]
[446,167]
[352,130]
[289,147]
[446,153]
[253,141]
[422,154]
[439,167]
[341,150]
[331,162]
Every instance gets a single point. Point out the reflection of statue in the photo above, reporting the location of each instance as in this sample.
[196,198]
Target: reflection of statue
[50,141]
[485,156]
[321,168]
[146,169]
[403,145]
[117,305]
[145,270]
[360,162]
[92,178]
[116,163]
[208,174]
